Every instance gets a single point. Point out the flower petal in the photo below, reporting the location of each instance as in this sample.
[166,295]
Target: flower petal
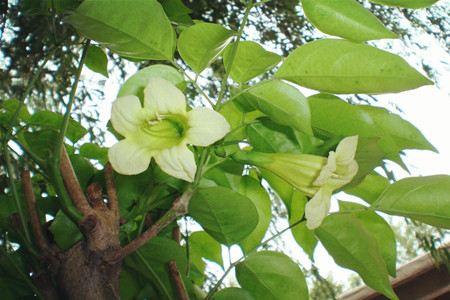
[327,170]
[163,97]
[128,157]
[127,114]
[206,126]
[346,150]
[177,161]
[317,208]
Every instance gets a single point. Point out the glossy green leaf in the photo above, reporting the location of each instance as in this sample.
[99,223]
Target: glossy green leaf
[345,18]
[41,142]
[96,60]
[93,151]
[370,188]
[201,44]
[272,275]
[226,215]
[10,106]
[83,169]
[283,189]
[354,247]
[137,29]
[157,253]
[204,245]
[233,293]
[366,121]
[281,102]
[52,120]
[135,84]
[236,117]
[251,188]
[344,67]
[303,236]
[177,12]
[250,60]
[426,199]
[406,3]
[402,132]
[380,229]
[267,136]
[65,232]
[227,174]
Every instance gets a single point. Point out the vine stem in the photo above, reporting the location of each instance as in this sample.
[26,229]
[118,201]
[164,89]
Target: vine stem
[194,82]
[249,6]
[55,159]
[234,264]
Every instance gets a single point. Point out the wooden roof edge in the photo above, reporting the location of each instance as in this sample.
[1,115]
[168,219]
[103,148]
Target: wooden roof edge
[405,273]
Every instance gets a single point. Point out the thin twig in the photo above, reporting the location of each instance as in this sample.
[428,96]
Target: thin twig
[177,280]
[39,236]
[179,208]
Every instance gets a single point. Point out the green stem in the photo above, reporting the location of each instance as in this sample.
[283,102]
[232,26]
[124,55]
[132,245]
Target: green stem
[57,181]
[249,6]
[12,185]
[216,286]
[194,82]
[65,123]
[199,173]
[19,271]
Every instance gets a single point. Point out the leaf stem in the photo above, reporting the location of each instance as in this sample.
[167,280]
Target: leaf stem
[249,5]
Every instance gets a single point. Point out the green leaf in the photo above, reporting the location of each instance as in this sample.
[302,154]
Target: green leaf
[233,293]
[402,132]
[204,245]
[177,12]
[201,44]
[303,236]
[271,275]
[250,60]
[380,229]
[96,60]
[10,106]
[331,114]
[267,136]
[345,18]
[352,246]
[426,199]
[137,29]
[41,142]
[237,118]
[93,151]
[406,3]
[157,253]
[52,120]
[281,102]
[135,84]
[226,215]
[344,67]
[370,188]
[65,232]
[227,174]
[251,188]
[83,169]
